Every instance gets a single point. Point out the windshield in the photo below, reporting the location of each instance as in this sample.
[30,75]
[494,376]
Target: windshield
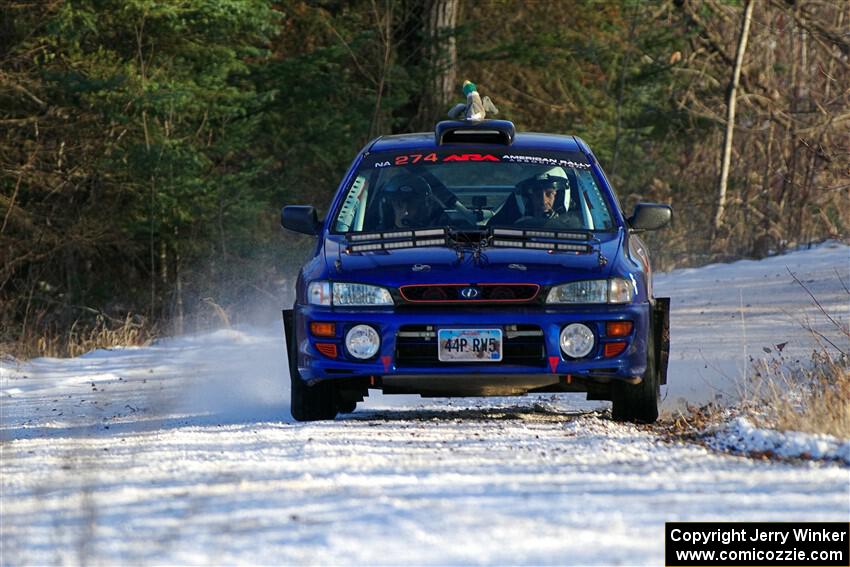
[468,191]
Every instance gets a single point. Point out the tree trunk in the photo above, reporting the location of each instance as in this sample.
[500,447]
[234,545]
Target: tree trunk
[730,117]
[625,63]
[384,26]
[442,84]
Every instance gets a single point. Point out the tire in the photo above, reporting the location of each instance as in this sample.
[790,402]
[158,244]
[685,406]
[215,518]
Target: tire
[638,403]
[309,403]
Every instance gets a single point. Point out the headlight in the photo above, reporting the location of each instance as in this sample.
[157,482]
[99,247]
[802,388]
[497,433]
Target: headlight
[362,341]
[577,340]
[361,294]
[615,290]
[345,294]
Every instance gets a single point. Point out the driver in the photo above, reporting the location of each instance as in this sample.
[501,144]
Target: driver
[542,197]
[411,202]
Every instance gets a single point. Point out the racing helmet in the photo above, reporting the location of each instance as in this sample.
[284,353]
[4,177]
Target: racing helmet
[409,189]
[555,178]
[407,186]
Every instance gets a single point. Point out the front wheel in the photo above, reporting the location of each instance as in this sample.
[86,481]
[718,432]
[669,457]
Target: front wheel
[309,403]
[639,402]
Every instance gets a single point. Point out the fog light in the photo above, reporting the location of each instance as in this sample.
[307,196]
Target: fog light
[577,340]
[362,341]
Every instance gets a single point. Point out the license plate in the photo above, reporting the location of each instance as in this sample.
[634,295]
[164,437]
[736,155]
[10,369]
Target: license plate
[469,345]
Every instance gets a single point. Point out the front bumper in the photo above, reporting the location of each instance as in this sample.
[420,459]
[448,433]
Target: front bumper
[631,364]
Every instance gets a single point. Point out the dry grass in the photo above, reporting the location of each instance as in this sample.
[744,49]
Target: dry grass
[806,396]
[813,398]
[692,421]
[81,337]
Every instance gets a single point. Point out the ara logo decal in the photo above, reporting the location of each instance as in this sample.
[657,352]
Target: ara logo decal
[471,157]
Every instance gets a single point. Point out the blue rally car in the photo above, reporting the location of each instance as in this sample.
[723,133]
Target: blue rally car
[476,261]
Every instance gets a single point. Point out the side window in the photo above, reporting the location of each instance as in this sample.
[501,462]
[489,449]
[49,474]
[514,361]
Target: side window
[353,209]
[593,203]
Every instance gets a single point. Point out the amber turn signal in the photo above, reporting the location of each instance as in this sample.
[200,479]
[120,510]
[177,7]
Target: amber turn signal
[320,329]
[613,349]
[328,349]
[618,328]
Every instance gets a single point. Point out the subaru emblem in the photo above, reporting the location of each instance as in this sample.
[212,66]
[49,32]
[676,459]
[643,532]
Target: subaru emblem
[469,293]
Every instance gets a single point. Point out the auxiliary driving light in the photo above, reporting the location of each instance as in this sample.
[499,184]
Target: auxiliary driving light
[362,341]
[577,340]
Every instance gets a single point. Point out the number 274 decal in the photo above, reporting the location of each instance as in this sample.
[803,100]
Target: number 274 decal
[432,157]
[413,158]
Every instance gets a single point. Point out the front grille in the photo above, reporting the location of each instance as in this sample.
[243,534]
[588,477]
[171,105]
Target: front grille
[469,293]
[416,345]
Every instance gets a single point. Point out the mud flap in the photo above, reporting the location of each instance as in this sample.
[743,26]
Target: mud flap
[288,329]
[661,327]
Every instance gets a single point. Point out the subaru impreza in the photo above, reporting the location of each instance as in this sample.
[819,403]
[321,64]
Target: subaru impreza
[476,261]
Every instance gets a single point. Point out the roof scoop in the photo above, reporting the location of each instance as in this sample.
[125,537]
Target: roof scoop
[497,132]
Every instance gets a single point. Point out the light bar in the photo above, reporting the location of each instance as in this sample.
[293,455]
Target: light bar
[517,233]
[573,235]
[394,240]
[508,232]
[584,248]
[365,247]
[574,247]
[429,232]
[397,234]
[431,242]
[507,243]
[362,237]
[540,233]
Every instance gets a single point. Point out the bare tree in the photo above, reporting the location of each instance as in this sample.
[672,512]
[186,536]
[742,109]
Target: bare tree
[730,116]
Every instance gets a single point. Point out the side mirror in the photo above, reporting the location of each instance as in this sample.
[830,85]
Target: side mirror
[649,216]
[300,218]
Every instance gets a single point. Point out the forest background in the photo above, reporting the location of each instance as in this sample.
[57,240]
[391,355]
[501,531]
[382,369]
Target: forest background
[146,146]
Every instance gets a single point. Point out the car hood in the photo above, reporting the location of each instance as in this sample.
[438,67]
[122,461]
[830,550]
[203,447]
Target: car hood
[441,264]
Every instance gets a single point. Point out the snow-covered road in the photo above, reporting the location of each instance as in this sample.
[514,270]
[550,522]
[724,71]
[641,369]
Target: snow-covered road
[184,452]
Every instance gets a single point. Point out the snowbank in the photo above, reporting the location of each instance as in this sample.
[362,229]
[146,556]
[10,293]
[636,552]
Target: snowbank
[741,436]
